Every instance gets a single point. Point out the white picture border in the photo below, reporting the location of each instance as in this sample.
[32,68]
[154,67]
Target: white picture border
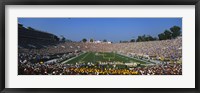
[186,80]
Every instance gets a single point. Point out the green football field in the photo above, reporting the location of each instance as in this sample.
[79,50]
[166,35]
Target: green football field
[96,57]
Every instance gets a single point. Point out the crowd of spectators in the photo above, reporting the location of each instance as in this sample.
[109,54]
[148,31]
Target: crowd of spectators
[32,38]
[159,50]
[96,69]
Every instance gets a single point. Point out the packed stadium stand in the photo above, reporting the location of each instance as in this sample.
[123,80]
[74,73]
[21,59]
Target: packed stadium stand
[31,38]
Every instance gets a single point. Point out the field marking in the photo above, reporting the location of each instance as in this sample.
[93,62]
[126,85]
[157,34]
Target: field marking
[84,57]
[147,63]
[71,58]
[108,57]
[125,58]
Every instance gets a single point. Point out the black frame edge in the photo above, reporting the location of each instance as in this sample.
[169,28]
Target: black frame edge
[2,48]
[101,2]
[197,51]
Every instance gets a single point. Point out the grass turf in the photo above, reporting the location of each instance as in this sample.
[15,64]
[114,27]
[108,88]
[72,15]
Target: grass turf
[95,57]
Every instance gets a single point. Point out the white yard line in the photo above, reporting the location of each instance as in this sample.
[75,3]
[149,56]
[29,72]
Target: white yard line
[135,58]
[71,59]
[84,56]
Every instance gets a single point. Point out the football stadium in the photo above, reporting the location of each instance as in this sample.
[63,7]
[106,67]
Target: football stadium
[44,53]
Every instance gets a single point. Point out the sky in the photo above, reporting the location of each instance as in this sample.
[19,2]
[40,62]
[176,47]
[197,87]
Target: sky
[111,29]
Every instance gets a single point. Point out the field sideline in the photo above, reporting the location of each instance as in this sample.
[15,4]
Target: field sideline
[96,57]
